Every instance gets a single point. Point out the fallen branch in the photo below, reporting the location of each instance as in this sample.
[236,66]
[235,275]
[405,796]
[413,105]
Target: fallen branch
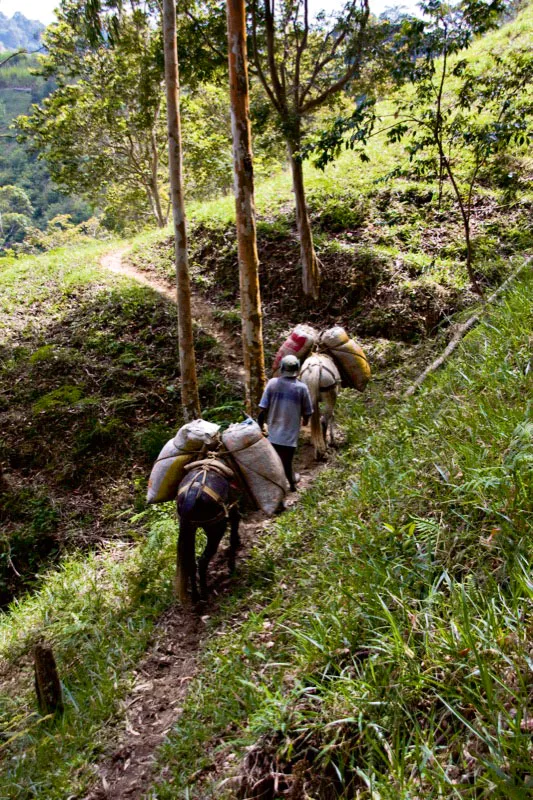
[461,331]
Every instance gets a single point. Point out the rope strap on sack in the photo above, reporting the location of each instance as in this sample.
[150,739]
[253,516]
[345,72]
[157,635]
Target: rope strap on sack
[205,467]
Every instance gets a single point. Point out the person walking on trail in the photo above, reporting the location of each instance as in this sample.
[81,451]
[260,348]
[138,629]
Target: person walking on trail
[283,404]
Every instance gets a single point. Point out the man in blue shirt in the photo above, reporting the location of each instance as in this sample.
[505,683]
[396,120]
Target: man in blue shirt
[283,404]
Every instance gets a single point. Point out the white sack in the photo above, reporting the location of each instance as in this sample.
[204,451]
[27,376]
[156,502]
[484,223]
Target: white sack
[259,464]
[329,374]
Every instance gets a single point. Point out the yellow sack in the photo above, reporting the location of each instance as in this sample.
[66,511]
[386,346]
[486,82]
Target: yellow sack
[190,442]
[348,356]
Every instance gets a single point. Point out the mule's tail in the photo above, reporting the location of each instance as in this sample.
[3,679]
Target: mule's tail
[317,434]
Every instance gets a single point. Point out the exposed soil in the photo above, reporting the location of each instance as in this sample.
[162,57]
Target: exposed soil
[202,310]
[90,394]
[161,680]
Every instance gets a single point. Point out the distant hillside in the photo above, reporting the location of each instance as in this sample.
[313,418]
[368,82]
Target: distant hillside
[18,32]
[19,88]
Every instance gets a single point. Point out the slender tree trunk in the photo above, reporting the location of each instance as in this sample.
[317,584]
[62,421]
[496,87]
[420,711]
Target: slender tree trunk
[161,218]
[156,203]
[310,269]
[252,333]
[189,384]
[466,225]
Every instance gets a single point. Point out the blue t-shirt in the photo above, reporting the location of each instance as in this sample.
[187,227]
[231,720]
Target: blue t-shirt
[286,400]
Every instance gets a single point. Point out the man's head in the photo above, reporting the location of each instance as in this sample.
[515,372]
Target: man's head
[290,366]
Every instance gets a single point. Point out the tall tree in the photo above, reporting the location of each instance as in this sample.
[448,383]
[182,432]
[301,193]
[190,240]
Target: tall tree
[456,115]
[100,131]
[189,384]
[252,333]
[302,64]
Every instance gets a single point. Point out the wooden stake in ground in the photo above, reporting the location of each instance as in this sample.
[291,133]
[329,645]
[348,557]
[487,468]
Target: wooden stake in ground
[189,384]
[252,331]
[47,684]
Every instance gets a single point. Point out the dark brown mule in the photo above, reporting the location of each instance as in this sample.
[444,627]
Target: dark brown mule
[207,498]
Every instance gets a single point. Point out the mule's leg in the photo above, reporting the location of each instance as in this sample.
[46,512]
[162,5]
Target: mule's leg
[186,563]
[214,535]
[330,401]
[195,594]
[235,539]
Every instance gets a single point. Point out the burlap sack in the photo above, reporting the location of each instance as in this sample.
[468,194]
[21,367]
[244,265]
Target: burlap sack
[329,374]
[300,343]
[190,442]
[258,463]
[348,356]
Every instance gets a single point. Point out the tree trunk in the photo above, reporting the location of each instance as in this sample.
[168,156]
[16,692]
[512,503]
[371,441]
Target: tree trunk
[251,317]
[189,385]
[154,186]
[156,205]
[310,270]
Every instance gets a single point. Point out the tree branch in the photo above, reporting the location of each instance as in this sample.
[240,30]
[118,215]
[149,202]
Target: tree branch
[301,45]
[203,35]
[271,52]
[305,108]
[260,73]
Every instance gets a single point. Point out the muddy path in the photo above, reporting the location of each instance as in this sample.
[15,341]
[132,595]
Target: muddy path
[128,767]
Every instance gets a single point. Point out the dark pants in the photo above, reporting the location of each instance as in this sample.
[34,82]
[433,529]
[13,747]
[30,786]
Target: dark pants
[286,454]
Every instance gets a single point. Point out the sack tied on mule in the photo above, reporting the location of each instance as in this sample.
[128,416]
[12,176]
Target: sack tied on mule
[329,375]
[258,463]
[348,356]
[191,442]
[299,343]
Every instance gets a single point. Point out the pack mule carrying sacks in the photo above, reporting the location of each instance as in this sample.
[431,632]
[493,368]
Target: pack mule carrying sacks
[190,442]
[258,462]
[348,356]
[299,343]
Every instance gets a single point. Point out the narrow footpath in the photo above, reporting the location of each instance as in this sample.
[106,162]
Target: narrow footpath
[128,766]
[202,311]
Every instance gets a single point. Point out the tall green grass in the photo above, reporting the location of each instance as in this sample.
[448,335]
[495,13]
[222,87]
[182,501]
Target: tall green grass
[383,635]
[97,611]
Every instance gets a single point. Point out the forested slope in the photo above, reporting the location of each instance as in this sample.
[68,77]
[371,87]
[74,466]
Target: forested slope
[19,89]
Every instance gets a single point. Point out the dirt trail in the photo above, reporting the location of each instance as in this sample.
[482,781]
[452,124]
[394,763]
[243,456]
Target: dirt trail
[202,311]
[127,769]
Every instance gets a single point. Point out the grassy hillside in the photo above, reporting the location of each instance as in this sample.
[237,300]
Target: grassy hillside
[90,393]
[377,642]
[379,638]
[392,254]
[381,646]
